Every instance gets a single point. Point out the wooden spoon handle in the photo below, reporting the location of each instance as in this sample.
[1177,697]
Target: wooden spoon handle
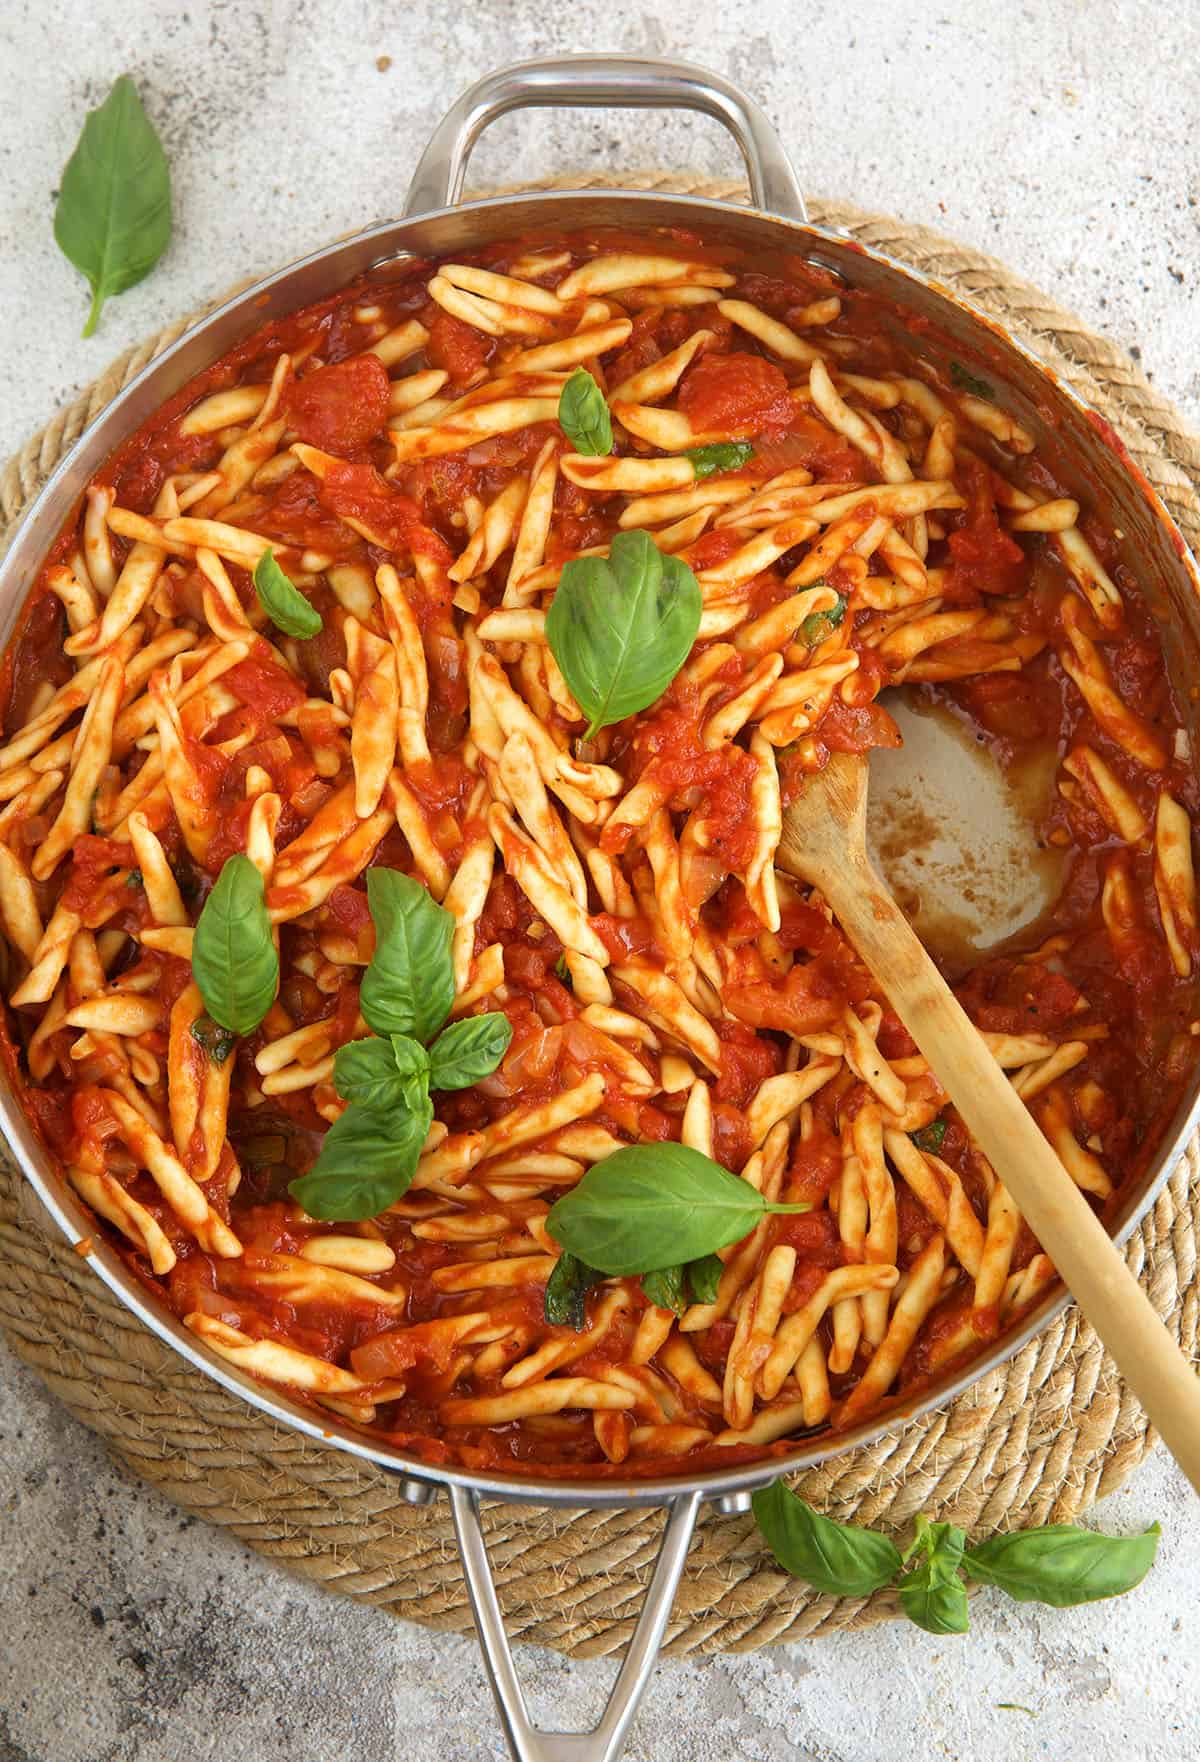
[1058,1214]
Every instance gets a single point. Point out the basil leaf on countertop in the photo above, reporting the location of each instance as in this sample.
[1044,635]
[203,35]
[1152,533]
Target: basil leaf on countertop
[1063,1565]
[621,627]
[583,415]
[932,1593]
[565,1302]
[381,1073]
[367,1161]
[469,1050]
[113,215]
[234,959]
[409,986]
[838,1558]
[650,1206]
[720,456]
[284,604]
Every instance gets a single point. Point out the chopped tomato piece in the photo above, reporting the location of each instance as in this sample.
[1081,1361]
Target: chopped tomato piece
[263,685]
[347,907]
[342,407]
[746,1061]
[737,394]
[457,348]
[855,728]
[92,858]
[816,1164]
[986,558]
[793,1007]
[622,936]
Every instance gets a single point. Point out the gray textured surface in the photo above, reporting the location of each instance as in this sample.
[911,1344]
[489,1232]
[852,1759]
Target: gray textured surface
[1056,135]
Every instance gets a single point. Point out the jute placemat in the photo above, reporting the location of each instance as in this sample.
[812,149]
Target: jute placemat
[1034,1442]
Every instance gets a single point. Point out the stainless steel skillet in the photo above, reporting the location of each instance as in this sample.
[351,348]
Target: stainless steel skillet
[433,224]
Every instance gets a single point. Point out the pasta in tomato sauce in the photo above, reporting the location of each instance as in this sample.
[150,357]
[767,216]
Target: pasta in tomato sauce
[855,516]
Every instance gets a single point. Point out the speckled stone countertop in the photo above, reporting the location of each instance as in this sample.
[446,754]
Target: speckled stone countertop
[1054,135]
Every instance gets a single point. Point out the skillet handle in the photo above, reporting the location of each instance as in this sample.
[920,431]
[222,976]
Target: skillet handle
[605,1742]
[634,82]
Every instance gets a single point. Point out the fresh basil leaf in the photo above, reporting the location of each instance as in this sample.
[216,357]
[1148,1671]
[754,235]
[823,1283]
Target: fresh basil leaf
[934,1597]
[382,1073]
[817,626]
[649,1206]
[563,971]
[1062,1565]
[135,878]
[674,1287]
[929,1138]
[367,1161]
[409,986]
[234,959]
[665,1288]
[838,1558]
[565,1302]
[704,1277]
[217,1042]
[969,382]
[621,627]
[284,604]
[113,215]
[410,1059]
[932,1594]
[720,456]
[468,1050]
[583,414]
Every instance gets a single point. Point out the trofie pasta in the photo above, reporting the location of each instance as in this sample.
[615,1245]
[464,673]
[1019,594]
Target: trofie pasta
[394,759]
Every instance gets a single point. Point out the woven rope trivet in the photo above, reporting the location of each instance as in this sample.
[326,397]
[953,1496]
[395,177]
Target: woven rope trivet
[1033,1442]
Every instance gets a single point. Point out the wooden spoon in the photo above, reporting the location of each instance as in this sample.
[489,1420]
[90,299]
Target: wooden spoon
[824,843]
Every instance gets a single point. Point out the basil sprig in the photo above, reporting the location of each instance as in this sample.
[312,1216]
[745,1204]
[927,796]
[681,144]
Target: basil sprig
[234,959]
[369,1155]
[583,415]
[283,603]
[382,1073]
[720,456]
[932,1592]
[650,1207]
[621,627]
[1059,1564]
[113,215]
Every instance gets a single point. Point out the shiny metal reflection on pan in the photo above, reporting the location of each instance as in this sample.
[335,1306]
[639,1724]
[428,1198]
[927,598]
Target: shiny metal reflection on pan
[1081,451]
